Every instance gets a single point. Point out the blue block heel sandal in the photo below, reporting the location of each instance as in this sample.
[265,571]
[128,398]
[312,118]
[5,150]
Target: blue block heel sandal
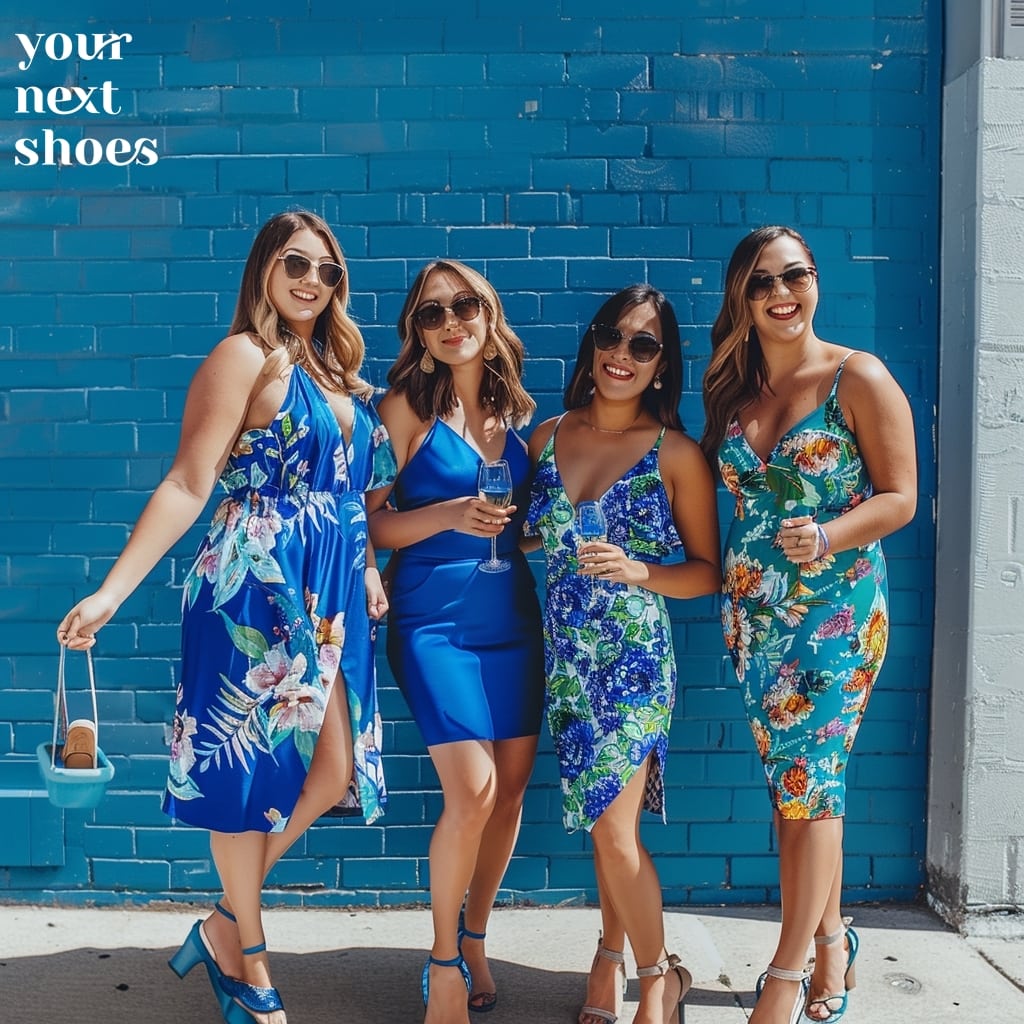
[836,1004]
[455,962]
[197,950]
[487,1001]
[249,999]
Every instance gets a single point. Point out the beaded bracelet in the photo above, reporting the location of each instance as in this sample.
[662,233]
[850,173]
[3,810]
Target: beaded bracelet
[823,543]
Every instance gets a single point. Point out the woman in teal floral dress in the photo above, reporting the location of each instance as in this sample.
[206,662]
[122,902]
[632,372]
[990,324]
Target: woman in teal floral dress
[815,442]
[608,647]
[276,718]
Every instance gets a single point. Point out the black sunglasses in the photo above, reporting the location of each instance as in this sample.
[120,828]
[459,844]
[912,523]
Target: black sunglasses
[643,347]
[432,315]
[296,267]
[796,279]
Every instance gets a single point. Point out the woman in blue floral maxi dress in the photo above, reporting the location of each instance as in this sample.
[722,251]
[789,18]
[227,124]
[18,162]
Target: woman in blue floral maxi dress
[276,719]
[608,649]
[815,442]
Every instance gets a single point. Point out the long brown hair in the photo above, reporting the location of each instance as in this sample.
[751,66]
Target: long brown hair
[336,364]
[736,373]
[663,402]
[433,394]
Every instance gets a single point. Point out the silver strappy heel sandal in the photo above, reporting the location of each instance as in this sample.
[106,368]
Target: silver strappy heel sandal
[671,963]
[782,974]
[597,1011]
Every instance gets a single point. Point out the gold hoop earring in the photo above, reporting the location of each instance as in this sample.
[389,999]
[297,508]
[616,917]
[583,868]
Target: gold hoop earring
[490,350]
[427,361]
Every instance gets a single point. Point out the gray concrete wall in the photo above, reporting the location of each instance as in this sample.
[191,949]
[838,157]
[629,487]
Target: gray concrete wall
[976,802]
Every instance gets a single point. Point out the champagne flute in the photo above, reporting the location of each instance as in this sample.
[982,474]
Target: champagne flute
[494,485]
[591,524]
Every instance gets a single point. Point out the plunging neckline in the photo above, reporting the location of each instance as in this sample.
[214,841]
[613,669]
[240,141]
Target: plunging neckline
[782,437]
[622,476]
[476,451]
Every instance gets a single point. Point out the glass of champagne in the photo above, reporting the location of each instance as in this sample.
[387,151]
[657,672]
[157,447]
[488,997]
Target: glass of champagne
[591,524]
[494,485]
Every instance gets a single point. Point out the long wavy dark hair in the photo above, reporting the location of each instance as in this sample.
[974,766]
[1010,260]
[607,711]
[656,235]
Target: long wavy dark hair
[336,366]
[433,394]
[663,402]
[736,372]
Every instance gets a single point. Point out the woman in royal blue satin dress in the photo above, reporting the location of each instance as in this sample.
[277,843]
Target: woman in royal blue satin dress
[464,645]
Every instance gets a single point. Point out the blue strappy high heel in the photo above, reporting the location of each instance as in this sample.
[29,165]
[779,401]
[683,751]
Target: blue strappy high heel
[849,978]
[254,998]
[195,950]
[489,999]
[454,962]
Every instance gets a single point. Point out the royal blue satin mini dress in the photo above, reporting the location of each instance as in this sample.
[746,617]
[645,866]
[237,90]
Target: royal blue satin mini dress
[465,646]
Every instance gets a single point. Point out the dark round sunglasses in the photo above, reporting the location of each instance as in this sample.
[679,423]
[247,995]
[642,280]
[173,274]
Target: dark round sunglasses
[643,347]
[796,279]
[296,267]
[432,315]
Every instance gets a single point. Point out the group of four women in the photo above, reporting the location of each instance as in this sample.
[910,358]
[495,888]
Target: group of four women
[276,718]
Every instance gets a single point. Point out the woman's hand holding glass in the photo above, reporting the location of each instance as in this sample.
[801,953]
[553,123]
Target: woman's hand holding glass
[494,488]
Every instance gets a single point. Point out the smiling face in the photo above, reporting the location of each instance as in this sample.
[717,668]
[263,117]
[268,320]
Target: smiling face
[455,341]
[617,375]
[783,314]
[299,301]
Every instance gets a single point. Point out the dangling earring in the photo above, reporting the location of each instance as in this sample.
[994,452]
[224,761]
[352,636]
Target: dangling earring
[426,361]
[657,383]
[490,350]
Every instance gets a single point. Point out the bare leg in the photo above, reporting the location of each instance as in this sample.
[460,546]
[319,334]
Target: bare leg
[628,876]
[829,976]
[326,783]
[467,773]
[239,858]
[809,853]
[513,762]
[604,983]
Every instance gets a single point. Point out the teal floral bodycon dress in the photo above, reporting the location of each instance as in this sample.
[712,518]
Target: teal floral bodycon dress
[806,641]
[611,672]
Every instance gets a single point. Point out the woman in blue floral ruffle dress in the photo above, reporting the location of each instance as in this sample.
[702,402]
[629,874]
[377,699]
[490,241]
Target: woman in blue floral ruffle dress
[276,719]
[608,648]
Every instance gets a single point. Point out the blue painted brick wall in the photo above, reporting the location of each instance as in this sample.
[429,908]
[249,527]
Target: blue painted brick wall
[566,150]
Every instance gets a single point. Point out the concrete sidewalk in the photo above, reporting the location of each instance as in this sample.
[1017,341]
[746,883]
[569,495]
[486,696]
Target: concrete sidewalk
[64,966]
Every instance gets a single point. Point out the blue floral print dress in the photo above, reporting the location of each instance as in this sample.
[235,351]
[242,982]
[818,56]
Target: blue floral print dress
[611,672]
[274,608]
[806,641]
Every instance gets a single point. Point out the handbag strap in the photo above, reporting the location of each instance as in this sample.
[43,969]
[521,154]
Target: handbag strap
[60,710]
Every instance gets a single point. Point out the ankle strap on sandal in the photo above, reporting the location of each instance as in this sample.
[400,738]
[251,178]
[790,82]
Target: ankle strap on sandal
[670,963]
[252,950]
[616,956]
[454,962]
[831,938]
[784,974]
[221,909]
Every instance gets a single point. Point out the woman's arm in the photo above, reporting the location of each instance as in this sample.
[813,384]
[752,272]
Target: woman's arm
[691,492]
[215,410]
[878,413]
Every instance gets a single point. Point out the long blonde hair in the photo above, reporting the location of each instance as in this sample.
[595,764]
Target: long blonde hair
[736,373]
[336,362]
[433,394]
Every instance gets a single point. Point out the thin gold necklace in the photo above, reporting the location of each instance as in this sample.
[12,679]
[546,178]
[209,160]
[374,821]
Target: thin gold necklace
[605,430]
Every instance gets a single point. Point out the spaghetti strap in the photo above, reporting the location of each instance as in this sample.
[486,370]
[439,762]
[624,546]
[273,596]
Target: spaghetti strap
[839,370]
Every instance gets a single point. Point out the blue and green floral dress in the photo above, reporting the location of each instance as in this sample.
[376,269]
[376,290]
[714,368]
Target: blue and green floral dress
[611,672]
[806,641]
[274,609]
